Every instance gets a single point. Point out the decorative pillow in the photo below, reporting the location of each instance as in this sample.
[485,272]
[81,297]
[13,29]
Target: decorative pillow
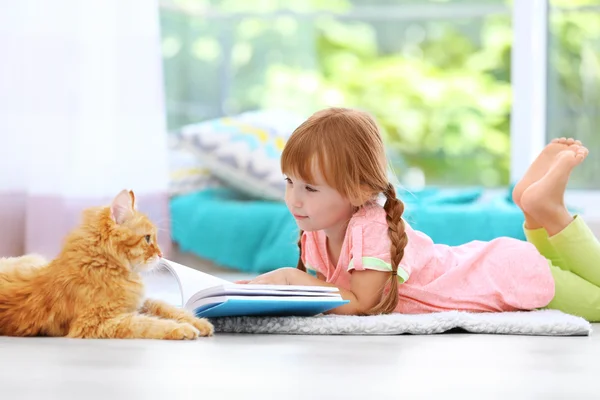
[244,151]
[187,174]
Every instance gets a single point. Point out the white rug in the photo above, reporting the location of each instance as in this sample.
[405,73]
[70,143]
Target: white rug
[544,323]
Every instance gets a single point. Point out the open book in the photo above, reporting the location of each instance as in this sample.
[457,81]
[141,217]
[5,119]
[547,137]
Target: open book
[209,296]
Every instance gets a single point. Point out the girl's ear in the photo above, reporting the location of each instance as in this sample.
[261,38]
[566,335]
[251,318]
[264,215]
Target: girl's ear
[122,206]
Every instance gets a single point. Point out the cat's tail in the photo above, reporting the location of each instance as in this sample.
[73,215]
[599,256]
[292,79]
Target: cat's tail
[17,274]
[10,264]
[17,282]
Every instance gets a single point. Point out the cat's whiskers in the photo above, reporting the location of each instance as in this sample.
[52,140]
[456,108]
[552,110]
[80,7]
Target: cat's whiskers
[150,265]
[163,224]
[163,230]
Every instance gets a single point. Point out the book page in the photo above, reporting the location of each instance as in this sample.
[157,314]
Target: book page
[252,289]
[191,281]
[161,284]
[179,285]
[235,290]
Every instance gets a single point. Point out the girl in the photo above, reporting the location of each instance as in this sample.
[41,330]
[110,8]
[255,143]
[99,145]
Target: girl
[336,170]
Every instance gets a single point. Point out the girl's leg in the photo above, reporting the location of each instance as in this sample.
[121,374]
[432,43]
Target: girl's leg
[574,295]
[534,231]
[539,238]
[578,284]
[579,250]
[576,248]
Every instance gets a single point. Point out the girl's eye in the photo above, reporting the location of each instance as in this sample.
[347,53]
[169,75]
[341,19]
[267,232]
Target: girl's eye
[288,180]
[310,189]
[147,237]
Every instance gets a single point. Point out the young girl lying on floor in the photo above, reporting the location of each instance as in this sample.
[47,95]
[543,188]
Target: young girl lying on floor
[336,170]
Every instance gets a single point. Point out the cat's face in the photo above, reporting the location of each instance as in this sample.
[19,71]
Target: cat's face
[134,236]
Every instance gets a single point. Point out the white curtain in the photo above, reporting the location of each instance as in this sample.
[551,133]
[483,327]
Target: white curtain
[81,116]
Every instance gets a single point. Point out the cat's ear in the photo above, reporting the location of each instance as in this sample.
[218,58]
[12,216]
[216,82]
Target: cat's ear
[133,202]
[122,206]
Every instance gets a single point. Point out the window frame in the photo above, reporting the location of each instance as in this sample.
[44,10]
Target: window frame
[529,70]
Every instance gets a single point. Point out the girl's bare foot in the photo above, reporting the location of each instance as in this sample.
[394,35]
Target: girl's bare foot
[537,170]
[544,200]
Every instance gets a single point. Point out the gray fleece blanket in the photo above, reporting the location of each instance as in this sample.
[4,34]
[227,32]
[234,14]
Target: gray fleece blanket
[543,322]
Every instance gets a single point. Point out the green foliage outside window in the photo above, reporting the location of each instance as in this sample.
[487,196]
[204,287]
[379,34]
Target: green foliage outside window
[440,89]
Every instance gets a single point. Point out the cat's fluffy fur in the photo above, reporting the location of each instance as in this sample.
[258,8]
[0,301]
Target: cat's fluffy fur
[93,289]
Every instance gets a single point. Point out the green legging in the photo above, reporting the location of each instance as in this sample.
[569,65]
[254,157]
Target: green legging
[574,257]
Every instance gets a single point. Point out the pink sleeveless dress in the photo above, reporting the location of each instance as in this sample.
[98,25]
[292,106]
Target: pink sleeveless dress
[504,274]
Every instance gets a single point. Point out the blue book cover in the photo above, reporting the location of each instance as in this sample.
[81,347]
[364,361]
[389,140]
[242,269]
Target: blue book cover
[231,306]
[211,297]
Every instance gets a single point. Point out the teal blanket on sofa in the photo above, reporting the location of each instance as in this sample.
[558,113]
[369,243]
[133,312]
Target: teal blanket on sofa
[258,236]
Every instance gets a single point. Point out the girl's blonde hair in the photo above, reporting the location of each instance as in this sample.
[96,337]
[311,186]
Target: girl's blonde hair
[348,149]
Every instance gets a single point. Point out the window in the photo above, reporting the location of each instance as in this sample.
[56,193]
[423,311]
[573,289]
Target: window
[436,75]
[467,92]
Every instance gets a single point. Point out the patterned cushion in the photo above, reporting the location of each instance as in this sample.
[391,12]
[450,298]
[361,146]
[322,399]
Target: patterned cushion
[187,173]
[244,151]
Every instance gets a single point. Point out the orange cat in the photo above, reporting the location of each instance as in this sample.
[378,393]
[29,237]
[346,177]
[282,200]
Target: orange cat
[93,289]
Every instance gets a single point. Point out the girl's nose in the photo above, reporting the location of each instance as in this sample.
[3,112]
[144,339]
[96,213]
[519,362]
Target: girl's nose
[297,201]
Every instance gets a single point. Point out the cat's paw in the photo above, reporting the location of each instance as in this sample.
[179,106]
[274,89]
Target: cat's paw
[183,331]
[202,324]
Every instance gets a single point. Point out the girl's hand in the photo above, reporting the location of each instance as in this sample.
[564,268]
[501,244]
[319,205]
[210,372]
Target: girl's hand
[279,276]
